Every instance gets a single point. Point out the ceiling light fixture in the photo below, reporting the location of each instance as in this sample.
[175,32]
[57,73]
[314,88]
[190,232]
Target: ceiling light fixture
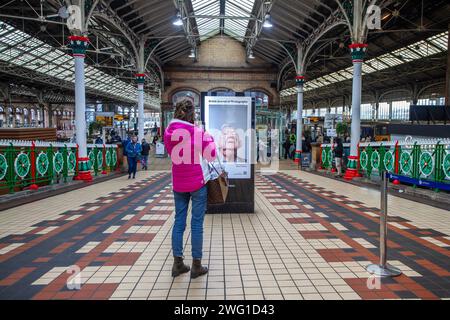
[386,15]
[192,54]
[250,55]
[267,21]
[178,21]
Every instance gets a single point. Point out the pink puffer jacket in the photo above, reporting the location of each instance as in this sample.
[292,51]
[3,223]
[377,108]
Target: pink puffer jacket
[190,149]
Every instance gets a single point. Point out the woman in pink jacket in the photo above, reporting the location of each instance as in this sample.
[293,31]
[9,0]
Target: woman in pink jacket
[190,149]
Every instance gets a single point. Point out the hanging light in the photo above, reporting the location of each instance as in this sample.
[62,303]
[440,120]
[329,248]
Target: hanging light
[178,21]
[192,54]
[267,21]
[250,55]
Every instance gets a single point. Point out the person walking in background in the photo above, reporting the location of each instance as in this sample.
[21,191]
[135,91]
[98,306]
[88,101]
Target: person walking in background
[189,178]
[125,144]
[134,150]
[99,140]
[293,139]
[145,153]
[338,154]
[262,151]
[286,146]
[155,140]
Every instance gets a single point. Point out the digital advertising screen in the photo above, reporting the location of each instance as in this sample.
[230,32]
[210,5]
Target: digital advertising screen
[228,120]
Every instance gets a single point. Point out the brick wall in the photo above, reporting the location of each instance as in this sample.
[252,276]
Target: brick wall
[221,63]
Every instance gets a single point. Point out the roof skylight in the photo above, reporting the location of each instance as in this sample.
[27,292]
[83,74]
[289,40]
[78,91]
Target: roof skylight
[21,49]
[431,46]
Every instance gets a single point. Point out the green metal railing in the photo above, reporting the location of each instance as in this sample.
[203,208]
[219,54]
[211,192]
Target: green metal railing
[421,162]
[29,164]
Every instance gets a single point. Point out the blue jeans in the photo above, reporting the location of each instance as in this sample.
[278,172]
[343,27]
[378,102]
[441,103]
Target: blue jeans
[144,161]
[132,165]
[199,200]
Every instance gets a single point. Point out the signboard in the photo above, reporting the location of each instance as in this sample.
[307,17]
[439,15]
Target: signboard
[160,150]
[106,119]
[228,120]
[305,159]
[331,133]
[331,119]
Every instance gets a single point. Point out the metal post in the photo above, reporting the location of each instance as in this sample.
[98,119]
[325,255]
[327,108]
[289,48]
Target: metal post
[79,45]
[140,79]
[383,269]
[356,107]
[383,220]
[299,129]
[140,111]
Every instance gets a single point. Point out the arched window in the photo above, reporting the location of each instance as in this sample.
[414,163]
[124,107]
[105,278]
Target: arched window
[222,92]
[261,98]
[186,94]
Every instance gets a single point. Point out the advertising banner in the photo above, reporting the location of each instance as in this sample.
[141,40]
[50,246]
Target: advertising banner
[105,118]
[228,120]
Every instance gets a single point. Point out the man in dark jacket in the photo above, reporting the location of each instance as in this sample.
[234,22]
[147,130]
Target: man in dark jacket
[286,146]
[145,152]
[99,140]
[338,154]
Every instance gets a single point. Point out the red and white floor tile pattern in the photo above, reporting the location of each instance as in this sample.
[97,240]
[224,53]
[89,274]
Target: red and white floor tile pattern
[308,239]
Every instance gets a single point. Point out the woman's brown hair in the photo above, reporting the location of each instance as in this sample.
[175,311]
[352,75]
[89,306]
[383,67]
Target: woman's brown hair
[184,110]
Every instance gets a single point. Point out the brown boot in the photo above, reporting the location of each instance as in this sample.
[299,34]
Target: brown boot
[179,267]
[197,268]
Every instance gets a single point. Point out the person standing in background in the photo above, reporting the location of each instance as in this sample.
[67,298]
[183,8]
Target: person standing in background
[134,150]
[145,153]
[98,140]
[286,145]
[155,140]
[338,154]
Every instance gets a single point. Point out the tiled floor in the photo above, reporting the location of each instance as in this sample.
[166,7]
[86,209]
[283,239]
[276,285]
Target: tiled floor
[310,238]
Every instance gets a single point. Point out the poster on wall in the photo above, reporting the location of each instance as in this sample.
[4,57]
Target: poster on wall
[228,120]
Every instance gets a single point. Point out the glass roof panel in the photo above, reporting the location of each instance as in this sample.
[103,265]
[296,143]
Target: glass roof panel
[20,49]
[440,40]
[208,14]
[238,8]
[431,46]
[390,60]
[207,26]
